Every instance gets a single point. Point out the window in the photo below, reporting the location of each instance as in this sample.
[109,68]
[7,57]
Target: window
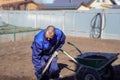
[98,0]
[103,0]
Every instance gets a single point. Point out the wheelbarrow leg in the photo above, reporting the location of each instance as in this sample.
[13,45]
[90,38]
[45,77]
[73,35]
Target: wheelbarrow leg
[108,73]
[87,74]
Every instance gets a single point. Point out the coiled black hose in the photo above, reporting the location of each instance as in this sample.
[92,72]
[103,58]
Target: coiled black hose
[96,26]
[114,2]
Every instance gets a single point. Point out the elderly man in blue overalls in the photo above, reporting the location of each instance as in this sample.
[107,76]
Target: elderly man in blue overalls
[45,43]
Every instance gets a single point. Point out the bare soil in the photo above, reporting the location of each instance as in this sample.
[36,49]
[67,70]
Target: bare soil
[15,57]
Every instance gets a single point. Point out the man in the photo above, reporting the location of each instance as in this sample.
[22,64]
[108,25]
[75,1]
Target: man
[45,43]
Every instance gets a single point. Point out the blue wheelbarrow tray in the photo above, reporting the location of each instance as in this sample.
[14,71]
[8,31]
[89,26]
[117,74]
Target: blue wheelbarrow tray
[96,60]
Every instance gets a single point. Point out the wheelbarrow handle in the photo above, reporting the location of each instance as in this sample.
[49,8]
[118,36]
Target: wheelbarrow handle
[74,47]
[64,52]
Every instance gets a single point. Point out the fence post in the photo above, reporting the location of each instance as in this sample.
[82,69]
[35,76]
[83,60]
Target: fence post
[103,22]
[35,21]
[63,28]
[8,16]
[74,16]
[14,36]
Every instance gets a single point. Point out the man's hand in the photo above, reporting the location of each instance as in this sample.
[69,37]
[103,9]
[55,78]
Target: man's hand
[40,76]
[56,53]
[50,60]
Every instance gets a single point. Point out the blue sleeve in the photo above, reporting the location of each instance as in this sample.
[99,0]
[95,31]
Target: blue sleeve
[61,41]
[36,56]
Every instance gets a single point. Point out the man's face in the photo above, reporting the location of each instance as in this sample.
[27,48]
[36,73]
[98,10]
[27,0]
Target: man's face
[50,33]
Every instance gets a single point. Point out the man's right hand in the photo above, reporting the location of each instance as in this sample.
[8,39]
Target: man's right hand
[40,76]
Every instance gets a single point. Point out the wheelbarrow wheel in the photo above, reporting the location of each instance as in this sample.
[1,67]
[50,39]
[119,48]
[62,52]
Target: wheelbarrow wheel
[87,74]
[108,73]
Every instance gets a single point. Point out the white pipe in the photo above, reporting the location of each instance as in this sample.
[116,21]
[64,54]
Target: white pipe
[103,21]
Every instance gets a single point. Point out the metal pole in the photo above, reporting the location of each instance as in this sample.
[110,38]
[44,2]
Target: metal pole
[63,21]
[74,16]
[103,21]
[8,16]
[35,21]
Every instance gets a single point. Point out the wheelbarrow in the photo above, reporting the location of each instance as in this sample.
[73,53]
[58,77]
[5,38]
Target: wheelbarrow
[93,65]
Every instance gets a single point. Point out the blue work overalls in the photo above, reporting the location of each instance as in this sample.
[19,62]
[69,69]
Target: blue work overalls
[42,50]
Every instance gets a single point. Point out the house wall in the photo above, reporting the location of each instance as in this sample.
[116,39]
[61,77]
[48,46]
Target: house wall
[83,8]
[98,3]
[9,1]
[30,6]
